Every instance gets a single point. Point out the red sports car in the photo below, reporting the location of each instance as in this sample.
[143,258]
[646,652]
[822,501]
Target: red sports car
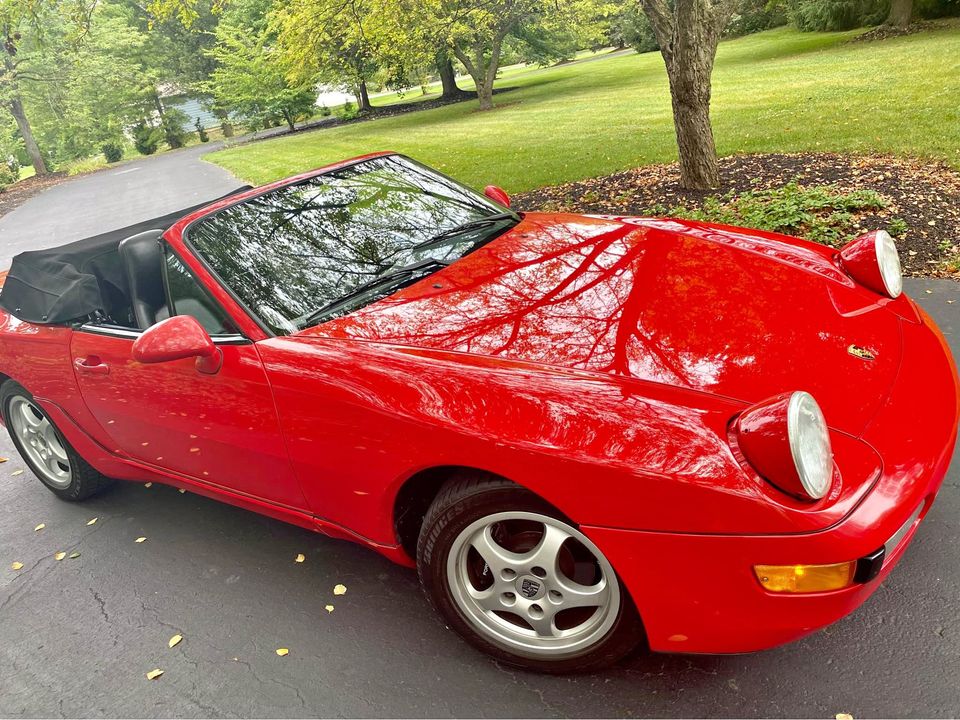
[585,432]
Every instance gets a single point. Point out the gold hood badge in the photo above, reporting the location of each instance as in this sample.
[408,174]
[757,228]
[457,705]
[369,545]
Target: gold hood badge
[861,352]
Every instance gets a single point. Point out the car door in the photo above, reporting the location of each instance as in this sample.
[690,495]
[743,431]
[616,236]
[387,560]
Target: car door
[220,429]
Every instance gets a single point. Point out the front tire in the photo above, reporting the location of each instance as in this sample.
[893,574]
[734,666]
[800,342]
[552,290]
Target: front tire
[44,449]
[521,582]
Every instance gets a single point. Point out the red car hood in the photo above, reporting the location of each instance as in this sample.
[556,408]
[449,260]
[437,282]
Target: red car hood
[734,313]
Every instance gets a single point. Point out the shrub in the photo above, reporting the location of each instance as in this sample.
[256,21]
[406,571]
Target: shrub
[325,111]
[634,30]
[821,213]
[201,132]
[7,178]
[825,15]
[112,151]
[227,129]
[146,139]
[174,133]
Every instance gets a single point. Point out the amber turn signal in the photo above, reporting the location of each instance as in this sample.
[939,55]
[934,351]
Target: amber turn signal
[805,578]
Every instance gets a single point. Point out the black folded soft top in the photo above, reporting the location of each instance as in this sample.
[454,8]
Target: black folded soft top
[77,280]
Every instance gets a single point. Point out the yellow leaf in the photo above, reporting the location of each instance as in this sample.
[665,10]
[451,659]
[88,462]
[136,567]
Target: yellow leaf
[39,527]
[59,556]
[16,472]
[74,555]
[154,674]
[844,716]
[3,460]
[140,540]
[181,491]
[300,558]
[92,522]
[328,608]
[340,590]
[282,652]
[146,485]
[16,566]
[175,640]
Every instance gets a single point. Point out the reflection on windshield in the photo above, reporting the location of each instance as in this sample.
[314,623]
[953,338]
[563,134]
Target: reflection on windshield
[292,251]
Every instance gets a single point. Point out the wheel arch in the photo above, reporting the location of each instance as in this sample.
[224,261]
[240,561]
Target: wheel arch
[417,493]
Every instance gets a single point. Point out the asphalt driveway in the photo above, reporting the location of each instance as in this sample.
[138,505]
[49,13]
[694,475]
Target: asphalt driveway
[77,636]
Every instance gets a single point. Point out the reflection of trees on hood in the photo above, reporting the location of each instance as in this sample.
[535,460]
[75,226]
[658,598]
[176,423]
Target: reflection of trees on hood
[580,295]
[293,250]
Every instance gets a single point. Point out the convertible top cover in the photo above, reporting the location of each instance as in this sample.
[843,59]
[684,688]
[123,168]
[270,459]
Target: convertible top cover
[71,282]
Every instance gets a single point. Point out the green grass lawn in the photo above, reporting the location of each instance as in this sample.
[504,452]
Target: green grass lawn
[777,91]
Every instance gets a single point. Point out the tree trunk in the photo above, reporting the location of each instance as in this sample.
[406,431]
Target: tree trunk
[901,11]
[363,96]
[289,119]
[690,96]
[483,68]
[448,78]
[158,104]
[33,150]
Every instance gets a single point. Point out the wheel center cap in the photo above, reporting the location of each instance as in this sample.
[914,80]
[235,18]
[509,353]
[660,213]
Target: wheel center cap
[530,587]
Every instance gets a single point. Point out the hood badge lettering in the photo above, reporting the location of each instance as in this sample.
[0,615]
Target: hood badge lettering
[861,352]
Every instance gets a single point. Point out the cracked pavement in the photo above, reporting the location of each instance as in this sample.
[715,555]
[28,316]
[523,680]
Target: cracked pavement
[77,636]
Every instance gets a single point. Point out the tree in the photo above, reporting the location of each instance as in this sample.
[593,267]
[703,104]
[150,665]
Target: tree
[901,12]
[29,29]
[688,32]
[250,79]
[475,31]
[327,40]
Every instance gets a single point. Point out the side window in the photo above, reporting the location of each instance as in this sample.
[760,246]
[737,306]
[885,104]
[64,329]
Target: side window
[187,297]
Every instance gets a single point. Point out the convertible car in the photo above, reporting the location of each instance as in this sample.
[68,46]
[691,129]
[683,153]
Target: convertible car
[586,433]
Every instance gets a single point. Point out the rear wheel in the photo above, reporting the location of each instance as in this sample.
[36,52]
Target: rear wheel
[521,582]
[44,449]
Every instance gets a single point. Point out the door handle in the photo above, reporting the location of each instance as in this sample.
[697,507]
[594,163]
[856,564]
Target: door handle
[91,366]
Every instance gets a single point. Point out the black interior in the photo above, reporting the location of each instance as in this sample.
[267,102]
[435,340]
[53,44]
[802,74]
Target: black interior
[142,257]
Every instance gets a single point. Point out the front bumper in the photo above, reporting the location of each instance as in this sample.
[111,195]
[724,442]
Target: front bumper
[698,593]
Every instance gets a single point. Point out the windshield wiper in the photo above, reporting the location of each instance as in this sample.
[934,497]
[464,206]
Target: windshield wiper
[465,228]
[395,279]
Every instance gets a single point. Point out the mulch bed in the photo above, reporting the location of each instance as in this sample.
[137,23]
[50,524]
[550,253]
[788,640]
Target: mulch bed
[885,32]
[925,194]
[20,192]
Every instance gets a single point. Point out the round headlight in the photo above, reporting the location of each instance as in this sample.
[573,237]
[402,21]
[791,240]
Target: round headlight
[872,261]
[889,262]
[786,440]
[809,444]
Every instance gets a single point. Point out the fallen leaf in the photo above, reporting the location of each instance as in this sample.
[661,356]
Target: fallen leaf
[16,566]
[181,491]
[146,485]
[154,674]
[3,460]
[340,590]
[16,472]
[92,522]
[844,716]
[282,652]
[39,527]
[140,540]
[74,555]
[328,608]
[300,558]
[59,556]
[929,292]
[175,640]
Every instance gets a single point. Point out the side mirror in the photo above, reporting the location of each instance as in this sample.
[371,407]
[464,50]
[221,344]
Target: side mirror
[498,195]
[178,338]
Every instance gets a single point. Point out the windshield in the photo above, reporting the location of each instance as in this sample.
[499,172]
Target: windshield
[324,247]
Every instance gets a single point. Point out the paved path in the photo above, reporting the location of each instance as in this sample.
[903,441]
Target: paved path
[111,199]
[77,637]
